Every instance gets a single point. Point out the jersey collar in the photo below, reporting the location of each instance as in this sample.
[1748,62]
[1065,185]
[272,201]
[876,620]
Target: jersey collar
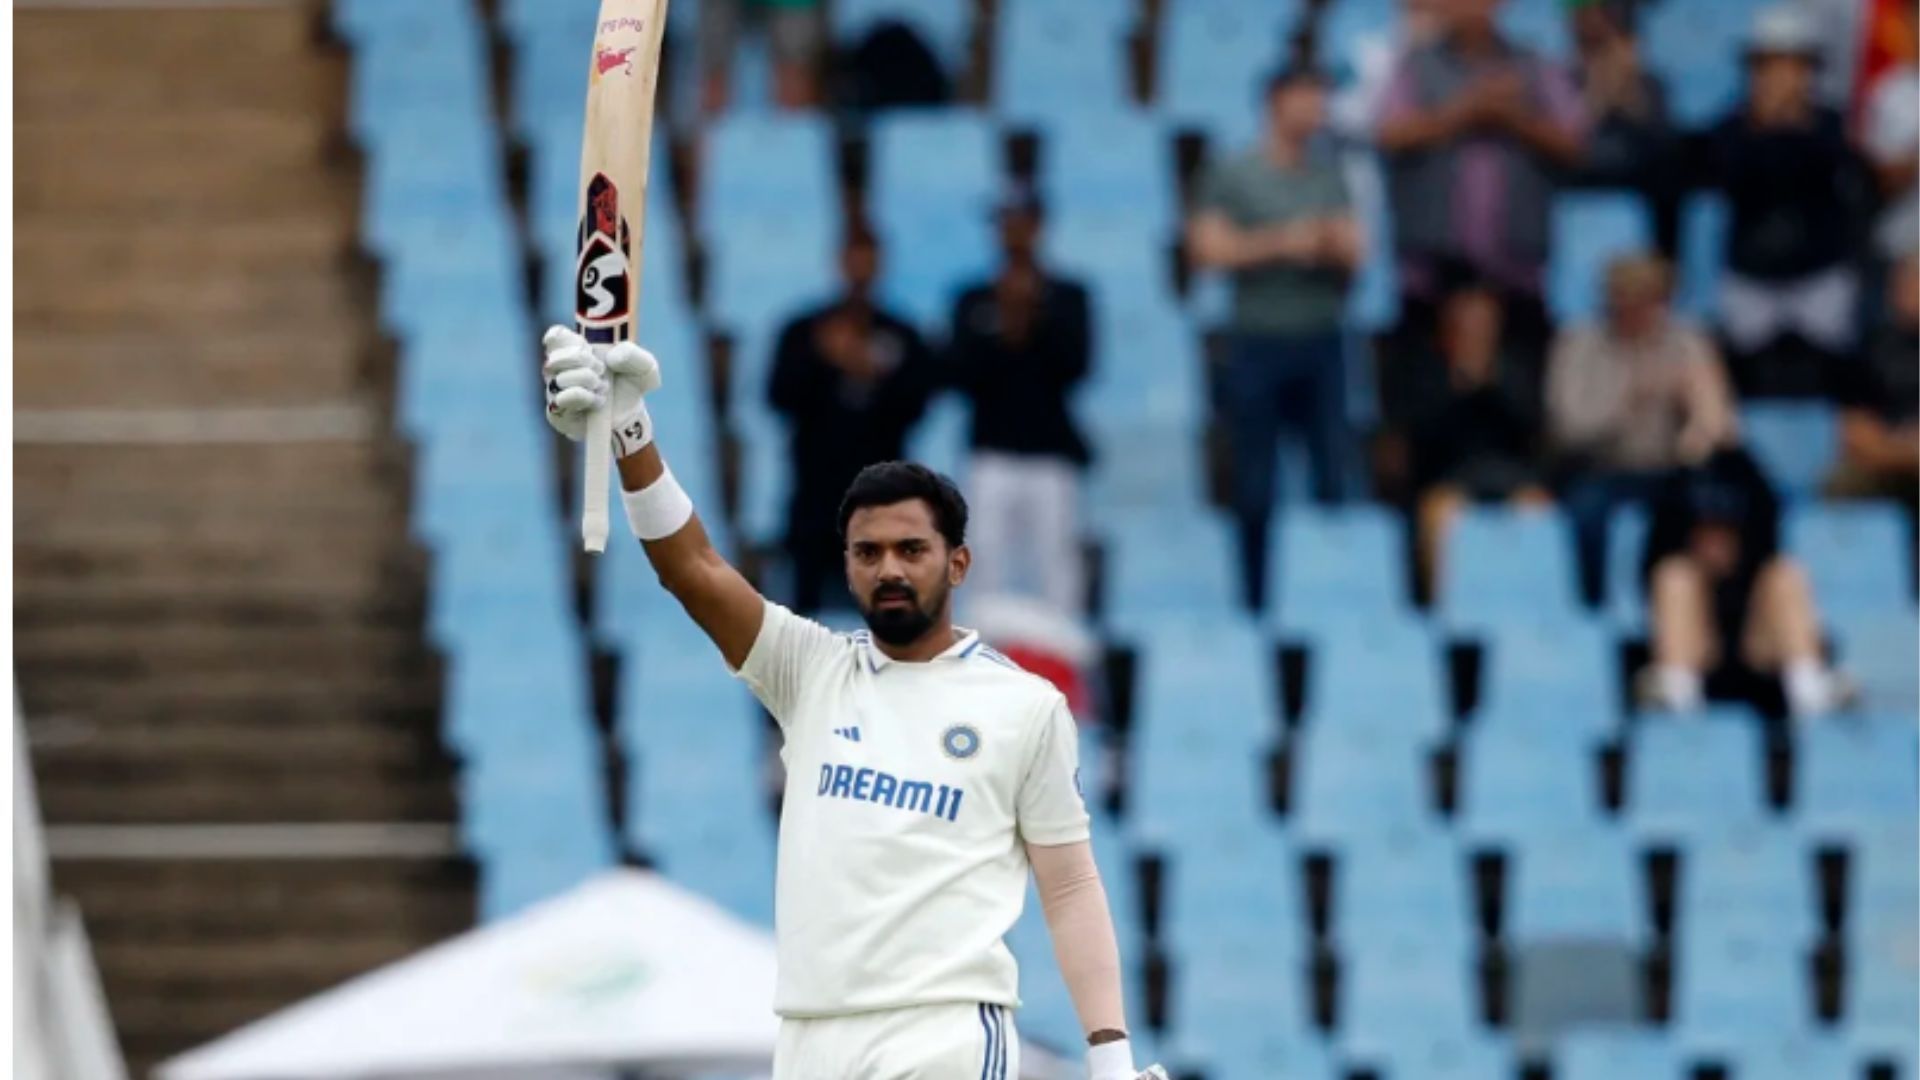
[968,642]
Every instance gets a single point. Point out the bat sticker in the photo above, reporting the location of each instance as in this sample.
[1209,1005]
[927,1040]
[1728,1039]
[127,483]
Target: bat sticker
[602,286]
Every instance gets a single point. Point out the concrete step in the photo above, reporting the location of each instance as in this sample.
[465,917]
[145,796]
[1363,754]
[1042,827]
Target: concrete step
[187,603]
[409,704]
[253,304]
[116,790]
[195,162]
[113,652]
[151,553]
[275,471]
[103,370]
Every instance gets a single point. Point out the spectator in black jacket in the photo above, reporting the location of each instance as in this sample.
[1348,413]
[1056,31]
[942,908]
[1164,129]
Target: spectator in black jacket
[852,380]
[1797,192]
[1731,616]
[1020,343]
[1633,143]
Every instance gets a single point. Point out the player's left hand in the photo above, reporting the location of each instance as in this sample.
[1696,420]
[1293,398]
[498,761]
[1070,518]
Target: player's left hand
[581,377]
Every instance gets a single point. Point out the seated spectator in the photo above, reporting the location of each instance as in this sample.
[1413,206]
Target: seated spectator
[1879,397]
[1731,617]
[1478,441]
[1633,143]
[1628,401]
[1020,344]
[1790,299]
[794,32]
[1278,218]
[852,380]
[1476,131]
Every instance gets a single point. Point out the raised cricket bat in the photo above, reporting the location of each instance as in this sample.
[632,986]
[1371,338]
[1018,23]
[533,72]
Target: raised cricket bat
[613,209]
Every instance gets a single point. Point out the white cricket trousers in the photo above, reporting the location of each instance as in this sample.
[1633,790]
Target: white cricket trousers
[924,1042]
[1025,528]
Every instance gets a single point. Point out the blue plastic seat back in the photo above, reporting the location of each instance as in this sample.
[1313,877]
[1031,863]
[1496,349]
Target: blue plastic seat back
[1615,1053]
[1757,879]
[1695,47]
[1795,442]
[1213,57]
[1857,773]
[1351,782]
[1858,555]
[1732,991]
[1169,564]
[1877,650]
[1053,60]
[1554,669]
[1686,776]
[1336,564]
[770,165]
[1377,675]
[1503,562]
[1590,230]
[1514,784]
[1401,878]
[1116,163]
[1579,884]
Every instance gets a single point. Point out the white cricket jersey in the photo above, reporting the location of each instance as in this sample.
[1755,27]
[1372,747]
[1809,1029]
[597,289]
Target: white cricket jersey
[911,788]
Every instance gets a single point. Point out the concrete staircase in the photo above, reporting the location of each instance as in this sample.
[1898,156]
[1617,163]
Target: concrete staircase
[218,613]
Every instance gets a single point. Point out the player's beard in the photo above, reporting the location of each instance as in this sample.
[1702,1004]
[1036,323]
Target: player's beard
[907,624]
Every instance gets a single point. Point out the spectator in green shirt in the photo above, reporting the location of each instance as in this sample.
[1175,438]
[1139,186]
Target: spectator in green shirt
[1279,220]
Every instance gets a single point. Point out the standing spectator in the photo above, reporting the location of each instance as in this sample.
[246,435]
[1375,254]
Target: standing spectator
[1477,132]
[851,380]
[1629,400]
[1731,617]
[1892,137]
[1020,344]
[1633,143]
[1790,297]
[1279,219]
[1478,440]
[795,33]
[1879,397]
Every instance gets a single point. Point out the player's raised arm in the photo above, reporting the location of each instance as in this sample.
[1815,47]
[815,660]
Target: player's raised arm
[579,378]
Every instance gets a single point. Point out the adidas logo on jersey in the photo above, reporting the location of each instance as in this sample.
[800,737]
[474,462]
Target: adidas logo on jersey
[851,734]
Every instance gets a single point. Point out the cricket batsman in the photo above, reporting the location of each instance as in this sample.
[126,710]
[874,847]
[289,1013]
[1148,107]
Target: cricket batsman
[926,773]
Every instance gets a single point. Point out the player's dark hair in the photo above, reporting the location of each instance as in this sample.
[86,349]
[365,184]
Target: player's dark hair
[890,482]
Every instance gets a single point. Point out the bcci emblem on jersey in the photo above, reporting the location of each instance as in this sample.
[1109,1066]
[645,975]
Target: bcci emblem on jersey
[960,742]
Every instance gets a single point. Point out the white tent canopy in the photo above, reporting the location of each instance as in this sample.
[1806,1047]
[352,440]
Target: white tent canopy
[626,971]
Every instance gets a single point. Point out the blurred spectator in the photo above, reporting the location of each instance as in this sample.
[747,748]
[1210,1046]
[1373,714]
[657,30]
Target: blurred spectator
[1891,133]
[1279,219]
[892,66]
[1020,343]
[1479,439]
[1628,401]
[1790,297]
[1477,132]
[1879,396]
[1633,143]
[795,33]
[1731,617]
[851,380]
[1376,54]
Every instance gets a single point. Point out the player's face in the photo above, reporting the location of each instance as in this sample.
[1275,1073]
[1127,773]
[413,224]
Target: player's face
[900,570]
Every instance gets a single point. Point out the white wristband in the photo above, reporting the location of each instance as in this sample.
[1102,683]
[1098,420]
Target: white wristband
[1111,1061]
[658,510]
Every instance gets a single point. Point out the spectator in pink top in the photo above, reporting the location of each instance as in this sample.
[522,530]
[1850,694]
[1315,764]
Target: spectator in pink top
[1477,132]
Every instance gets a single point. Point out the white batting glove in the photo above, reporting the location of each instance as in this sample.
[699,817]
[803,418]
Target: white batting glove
[1114,1061]
[581,377]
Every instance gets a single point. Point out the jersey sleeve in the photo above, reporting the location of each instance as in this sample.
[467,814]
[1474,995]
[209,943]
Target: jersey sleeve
[788,650]
[1050,808]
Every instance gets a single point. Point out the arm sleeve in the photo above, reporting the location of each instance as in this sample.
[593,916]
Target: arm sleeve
[1583,395]
[1081,925]
[1049,807]
[788,651]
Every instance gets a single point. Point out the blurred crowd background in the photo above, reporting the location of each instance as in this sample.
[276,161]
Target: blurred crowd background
[1458,456]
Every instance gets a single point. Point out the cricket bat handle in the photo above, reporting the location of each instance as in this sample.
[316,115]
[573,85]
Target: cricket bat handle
[593,495]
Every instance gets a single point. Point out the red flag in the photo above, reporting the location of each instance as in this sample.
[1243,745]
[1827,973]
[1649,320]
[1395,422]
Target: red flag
[1889,39]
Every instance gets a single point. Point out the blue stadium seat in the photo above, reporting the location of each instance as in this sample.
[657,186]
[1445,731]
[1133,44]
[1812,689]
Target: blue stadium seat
[928,259]
[737,873]
[1878,651]
[1795,442]
[1746,881]
[945,25]
[1614,1053]
[1881,995]
[778,165]
[364,21]
[1161,564]
[1351,26]
[943,438]
[1209,789]
[1626,546]
[1687,776]
[1858,555]
[770,271]
[1502,562]
[1381,676]
[1331,565]
[1575,884]
[1118,258]
[1204,680]
[1796,1058]
[1513,785]
[1730,992]
[941,162]
[1590,230]
[1401,879]
[1242,1019]
[1350,783]
[1236,895]
[1214,59]
[1695,47]
[1883,882]
[1556,671]
[1053,60]
[1401,994]
[1373,303]
[1539,25]
[1703,256]
[1116,163]
[1469,1057]
[1854,774]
